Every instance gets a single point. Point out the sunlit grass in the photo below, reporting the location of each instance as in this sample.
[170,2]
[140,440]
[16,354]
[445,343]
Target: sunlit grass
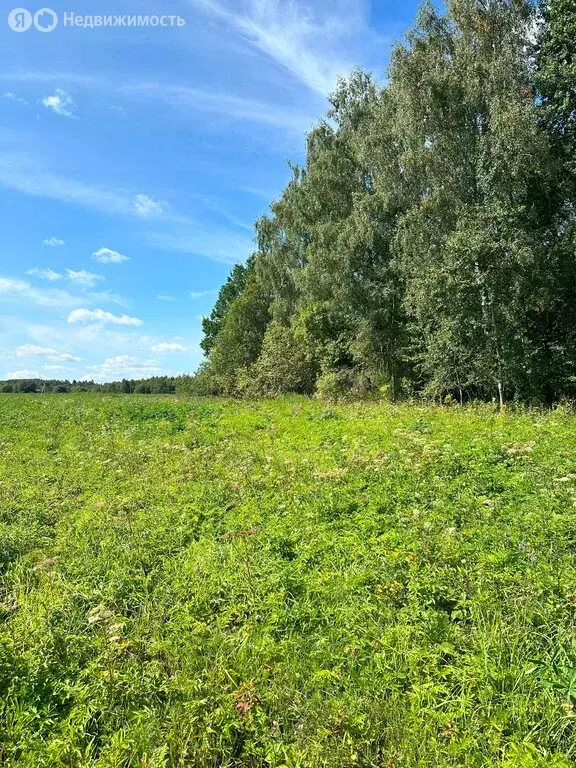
[214,583]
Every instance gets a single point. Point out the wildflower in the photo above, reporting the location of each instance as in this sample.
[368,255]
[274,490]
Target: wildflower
[44,564]
[99,613]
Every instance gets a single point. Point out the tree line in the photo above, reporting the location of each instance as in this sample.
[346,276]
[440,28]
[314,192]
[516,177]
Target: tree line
[427,245]
[156,385]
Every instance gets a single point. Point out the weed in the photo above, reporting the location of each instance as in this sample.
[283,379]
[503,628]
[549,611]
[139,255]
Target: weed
[218,583]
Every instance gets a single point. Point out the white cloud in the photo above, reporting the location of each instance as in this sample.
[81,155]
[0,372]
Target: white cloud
[44,274]
[25,174]
[148,208]
[48,77]
[25,374]
[124,366]
[7,285]
[307,43]
[222,246]
[230,106]
[168,347]
[61,103]
[14,97]
[108,256]
[200,294]
[164,297]
[31,350]
[84,278]
[101,316]
[43,334]
[102,297]
[45,297]
[54,242]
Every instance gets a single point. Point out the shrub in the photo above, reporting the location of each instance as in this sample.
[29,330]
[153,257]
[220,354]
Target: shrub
[345,384]
[283,366]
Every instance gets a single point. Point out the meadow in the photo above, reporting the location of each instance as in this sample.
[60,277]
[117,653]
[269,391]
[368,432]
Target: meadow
[284,583]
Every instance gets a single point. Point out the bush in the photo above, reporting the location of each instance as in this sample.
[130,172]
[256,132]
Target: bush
[345,384]
[283,366]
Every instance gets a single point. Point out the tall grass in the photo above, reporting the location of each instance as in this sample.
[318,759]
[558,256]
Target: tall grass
[214,583]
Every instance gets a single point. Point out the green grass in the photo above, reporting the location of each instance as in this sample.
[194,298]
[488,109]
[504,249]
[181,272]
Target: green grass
[214,583]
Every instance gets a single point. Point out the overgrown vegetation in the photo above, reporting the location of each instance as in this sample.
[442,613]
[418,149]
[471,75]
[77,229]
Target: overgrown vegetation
[220,583]
[428,243]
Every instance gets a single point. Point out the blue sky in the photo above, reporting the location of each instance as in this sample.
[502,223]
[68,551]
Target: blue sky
[134,162]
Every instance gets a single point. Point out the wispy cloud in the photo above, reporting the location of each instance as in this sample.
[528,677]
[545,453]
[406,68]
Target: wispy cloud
[108,297]
[61,103]
[54,242]
[45,76]
[148,208]
[164,297]
[124,366]
[32,350]
[168,347]
[226,105]
[222,246]
[14,97]
[20,290]
[44,274]
[24,374]
[200,294]
[83,278]
[8,285]
[310,43]
[26,175]
[101,316]
[108,256]
[195,101]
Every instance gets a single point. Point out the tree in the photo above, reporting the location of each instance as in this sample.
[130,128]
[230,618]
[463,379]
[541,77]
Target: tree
[556,75]
[230,291]
[283,365]
[427,242]
[239,339]
[479,191]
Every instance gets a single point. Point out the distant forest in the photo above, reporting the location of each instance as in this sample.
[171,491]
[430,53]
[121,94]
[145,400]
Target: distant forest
[157,385]
[427,247]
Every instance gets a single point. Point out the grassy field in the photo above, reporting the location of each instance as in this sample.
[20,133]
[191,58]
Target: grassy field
[189,583]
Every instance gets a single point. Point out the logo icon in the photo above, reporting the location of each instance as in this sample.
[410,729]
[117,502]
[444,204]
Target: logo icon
[45,20]
[19,20]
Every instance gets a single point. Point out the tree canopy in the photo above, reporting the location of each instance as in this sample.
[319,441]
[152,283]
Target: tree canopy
[427,244]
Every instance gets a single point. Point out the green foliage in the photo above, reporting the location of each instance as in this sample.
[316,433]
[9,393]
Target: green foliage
[428,240]
[240,340]
[230,291]
[156,385]
[198,583]
[343,384]
[556,75]
[283,366]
